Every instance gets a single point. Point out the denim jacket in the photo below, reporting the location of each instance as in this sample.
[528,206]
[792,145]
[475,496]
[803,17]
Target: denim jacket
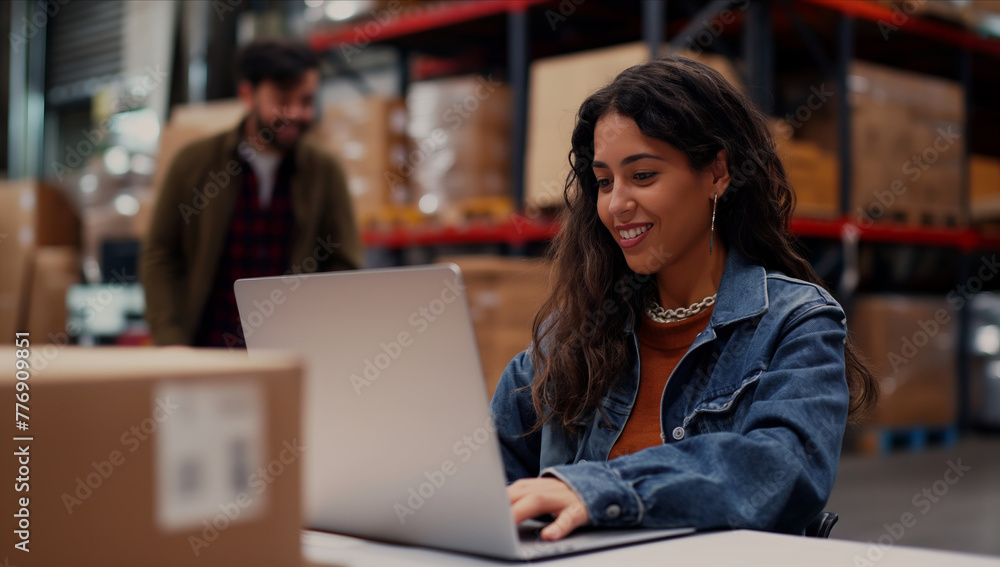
[752,418]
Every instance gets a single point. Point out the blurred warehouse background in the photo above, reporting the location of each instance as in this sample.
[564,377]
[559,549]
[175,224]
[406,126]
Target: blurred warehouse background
[452,120]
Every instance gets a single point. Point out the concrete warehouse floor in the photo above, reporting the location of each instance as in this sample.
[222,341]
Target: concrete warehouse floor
[919,500]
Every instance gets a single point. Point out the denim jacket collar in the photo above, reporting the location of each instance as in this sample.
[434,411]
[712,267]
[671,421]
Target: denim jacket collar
[742,292]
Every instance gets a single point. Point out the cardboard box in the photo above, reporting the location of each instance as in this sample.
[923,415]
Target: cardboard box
[37,213]
[984,187]
[32,214]
[504,295]
[907,139]
[367,136]
[813,172]
[558,86]
[155,457]
[459,130]
[56,269]
[910,344]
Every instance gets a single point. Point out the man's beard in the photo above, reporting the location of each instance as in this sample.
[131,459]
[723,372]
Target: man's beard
[267,132]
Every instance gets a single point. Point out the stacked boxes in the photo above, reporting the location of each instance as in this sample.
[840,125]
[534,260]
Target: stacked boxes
[155,457]
[908,145]
[56,269]
[504,294]
[459,129]
[910,343]
[32,215]
[812,171]
[367,136]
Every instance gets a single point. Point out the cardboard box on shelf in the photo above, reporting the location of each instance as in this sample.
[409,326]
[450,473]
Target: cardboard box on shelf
[459,130]
[984,188]
[504,294]
[32,214]
[813,172]
[907,146]
[367,136]
[56,269]
[187,457]
[558,86]
[911,345]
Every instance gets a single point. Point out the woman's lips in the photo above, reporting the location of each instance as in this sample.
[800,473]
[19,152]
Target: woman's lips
[634,241]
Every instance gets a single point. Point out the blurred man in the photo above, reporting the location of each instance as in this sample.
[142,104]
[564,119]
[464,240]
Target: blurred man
[250,202]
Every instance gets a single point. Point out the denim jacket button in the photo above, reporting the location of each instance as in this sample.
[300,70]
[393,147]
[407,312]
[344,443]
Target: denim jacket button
[613,511]
[678,433]
[581,461]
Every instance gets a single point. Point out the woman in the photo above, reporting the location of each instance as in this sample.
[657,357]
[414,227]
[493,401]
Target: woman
[689,368]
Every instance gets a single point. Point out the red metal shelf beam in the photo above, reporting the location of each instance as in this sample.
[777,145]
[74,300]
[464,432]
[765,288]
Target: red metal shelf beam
[521,230]
[517,232]
[432,17]
[965,239]
[914,24]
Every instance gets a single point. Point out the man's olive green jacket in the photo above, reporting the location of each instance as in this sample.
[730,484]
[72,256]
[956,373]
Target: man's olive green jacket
[187,233]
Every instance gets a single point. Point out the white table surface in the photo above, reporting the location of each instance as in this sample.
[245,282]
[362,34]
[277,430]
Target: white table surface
[741,548]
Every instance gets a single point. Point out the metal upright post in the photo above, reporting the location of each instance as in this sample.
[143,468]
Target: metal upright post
[654,19]
[758,53]
[845,53]
[517,75]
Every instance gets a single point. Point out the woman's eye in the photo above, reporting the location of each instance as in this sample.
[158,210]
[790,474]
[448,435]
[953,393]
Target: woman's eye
[644,175]
[603,183]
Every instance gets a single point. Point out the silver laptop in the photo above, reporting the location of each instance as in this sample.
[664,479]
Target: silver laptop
[399,442]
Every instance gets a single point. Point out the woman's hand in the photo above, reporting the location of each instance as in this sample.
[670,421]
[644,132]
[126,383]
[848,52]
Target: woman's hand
[530,497]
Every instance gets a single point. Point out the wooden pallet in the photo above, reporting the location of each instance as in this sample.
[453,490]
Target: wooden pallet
[886,440]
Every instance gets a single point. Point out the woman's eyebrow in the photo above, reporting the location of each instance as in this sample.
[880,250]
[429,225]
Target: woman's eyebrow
[626,161]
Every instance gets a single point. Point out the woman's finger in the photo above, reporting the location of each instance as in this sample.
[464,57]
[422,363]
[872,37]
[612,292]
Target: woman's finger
[570,518]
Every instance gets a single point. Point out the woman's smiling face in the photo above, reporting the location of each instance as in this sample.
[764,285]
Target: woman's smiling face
[654,205]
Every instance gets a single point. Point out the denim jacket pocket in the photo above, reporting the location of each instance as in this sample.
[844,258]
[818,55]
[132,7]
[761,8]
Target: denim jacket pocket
[723,412]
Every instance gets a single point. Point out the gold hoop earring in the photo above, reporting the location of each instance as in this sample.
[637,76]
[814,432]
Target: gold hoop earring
[711,240]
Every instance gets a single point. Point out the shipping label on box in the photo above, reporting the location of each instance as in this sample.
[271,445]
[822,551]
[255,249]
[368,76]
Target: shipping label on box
[208,456]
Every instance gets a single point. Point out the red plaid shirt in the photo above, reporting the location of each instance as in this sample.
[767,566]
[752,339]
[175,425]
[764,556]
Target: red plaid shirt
[258,244]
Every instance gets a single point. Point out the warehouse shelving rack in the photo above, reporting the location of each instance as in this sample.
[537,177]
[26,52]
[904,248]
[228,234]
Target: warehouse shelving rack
[948,51]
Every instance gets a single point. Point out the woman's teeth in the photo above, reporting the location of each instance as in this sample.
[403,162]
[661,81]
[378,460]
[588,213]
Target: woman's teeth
[633,232]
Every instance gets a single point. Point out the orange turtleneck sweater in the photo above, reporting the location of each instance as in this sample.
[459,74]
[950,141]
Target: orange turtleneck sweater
[661,346]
